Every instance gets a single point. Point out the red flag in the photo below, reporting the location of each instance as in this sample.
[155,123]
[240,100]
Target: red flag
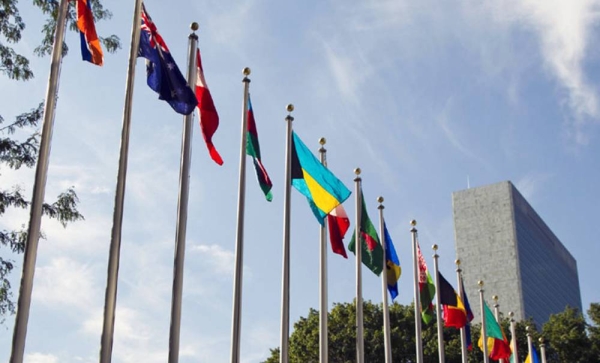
[338,226]
[209,119]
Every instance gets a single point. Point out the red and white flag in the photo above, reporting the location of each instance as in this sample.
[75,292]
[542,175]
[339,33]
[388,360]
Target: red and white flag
[209,118]
[338,223]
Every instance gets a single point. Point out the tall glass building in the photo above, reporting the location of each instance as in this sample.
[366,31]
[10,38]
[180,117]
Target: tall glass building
[502,241]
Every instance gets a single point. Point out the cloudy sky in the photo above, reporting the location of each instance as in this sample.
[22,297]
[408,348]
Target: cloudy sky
[425,96]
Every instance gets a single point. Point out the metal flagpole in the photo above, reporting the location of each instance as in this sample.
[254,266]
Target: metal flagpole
[182,207]
[529,342]
[438,309]
[418,341]
[323,310]
[463,330]
[285,274]
[486,358]
[387,340]
[238,276]
[360,340]
[497,315]
[110,298]
[542,349]
[513,336]
[39,190]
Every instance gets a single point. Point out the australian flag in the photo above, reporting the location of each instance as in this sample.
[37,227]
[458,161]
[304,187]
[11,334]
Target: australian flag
[164,77]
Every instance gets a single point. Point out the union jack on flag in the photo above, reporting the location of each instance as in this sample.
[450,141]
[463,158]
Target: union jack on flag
[164,77]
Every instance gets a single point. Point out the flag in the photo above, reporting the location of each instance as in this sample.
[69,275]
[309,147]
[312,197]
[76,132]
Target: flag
[164,76]
[372,251]
[532,357]
[426,289]
[91,50]
[470,317]
[338,224]
[512,356]
[323,190]
[497,344]
[392,263]
[209,118]
[455,314]
[253,149]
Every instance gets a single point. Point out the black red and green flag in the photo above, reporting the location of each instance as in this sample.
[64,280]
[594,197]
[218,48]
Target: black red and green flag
[372,251]
[253,149]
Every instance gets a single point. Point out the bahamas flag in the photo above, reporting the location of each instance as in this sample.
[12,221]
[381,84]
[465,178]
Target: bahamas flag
[323,190]
[392,263]
[91,50]
[497,344]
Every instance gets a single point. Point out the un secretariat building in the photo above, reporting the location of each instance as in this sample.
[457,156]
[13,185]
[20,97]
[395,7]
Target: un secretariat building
[501,240]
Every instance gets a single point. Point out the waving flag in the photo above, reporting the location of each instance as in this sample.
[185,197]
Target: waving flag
[371,249]
[426,289]
[338,223]
[455,313]
[320,186]
[392,262]
[164,77]
[91,50]
[253,149]
[209,118]
[497,344]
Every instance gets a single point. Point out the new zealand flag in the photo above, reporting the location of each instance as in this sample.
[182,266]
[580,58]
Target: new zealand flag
[164,77]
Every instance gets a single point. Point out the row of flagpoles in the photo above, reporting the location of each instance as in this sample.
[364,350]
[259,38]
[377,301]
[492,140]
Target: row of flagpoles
[310,176]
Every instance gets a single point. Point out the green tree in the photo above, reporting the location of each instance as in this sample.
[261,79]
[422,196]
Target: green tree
[594,329]
[566,338]
[16,152]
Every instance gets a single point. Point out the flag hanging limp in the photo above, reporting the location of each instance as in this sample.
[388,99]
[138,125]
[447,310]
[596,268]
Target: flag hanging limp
[164,77]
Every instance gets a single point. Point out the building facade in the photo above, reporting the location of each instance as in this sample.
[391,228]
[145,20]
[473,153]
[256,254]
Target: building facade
[502,241]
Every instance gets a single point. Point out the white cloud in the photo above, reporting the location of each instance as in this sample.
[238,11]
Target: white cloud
[40,358]
[530,184]
[221,261]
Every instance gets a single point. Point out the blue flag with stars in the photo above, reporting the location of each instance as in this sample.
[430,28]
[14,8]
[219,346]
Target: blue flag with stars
[164,77]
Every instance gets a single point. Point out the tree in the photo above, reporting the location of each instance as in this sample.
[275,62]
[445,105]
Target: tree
[594,329]
[566,338]
[18,152]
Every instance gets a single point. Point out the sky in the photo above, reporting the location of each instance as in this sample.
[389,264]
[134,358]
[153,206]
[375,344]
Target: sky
[426,97]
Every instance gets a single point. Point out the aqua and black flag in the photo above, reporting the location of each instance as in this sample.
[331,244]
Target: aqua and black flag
[320,186]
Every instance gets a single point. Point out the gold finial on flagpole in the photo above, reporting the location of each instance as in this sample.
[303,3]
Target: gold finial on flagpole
[246,71]
[322,141]
[434,247]
[380,200]
[194,26]
[357,171]
[289,107]
[457,262]
[480,283]
[413,222]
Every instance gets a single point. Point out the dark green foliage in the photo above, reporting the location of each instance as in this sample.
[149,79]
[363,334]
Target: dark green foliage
[17,152]
[564,334]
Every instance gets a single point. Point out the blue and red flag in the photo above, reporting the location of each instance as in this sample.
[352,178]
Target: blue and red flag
[469,318]
[164,77]
[91,50]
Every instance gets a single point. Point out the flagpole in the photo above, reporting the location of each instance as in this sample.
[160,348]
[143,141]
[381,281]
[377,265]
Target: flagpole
[497,315]
[182,208]
[418,341]
[542,349]
[323,310]
[486,358]
[110,298]
[360,343]
[438,310]
[387,340]
[39,190]
[529,342]
[285,274]
[463,330]
[239,242]
[513,333]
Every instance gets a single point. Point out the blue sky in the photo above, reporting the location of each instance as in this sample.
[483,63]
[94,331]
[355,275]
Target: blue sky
[422,96]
